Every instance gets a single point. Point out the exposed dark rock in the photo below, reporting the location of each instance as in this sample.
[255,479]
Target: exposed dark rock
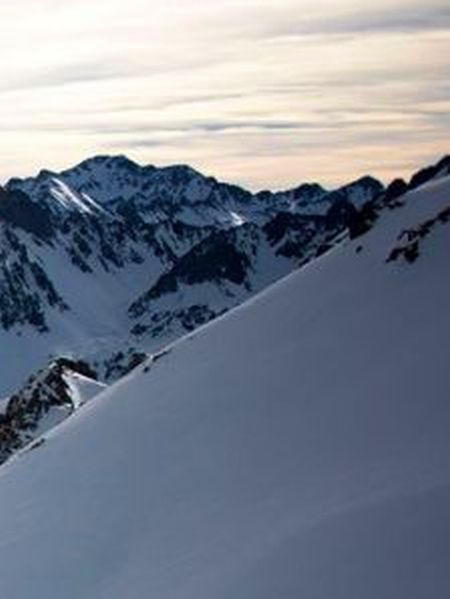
[26,408]
[122,363]
[395,190]
[411,239]
[18,210]
[213,260]
[426,174]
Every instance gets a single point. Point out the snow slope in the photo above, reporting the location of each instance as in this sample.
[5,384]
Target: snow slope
[296,447]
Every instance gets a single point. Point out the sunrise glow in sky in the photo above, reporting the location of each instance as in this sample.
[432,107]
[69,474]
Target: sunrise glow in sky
[260,92]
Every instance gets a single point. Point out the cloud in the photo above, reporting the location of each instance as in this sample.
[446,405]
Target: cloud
[378,21]
[66,75]
[252,87]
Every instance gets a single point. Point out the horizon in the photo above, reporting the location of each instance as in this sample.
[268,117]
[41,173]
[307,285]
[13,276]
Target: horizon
[266,97]
[327,187]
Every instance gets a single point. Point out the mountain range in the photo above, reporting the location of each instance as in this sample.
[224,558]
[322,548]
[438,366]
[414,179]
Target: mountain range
[106,263]
[109,259]
[295,446]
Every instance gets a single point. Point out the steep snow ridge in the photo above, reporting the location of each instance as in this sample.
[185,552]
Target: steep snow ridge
[297,447]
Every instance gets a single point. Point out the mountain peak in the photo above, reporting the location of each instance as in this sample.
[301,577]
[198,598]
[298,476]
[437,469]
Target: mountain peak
[119,161]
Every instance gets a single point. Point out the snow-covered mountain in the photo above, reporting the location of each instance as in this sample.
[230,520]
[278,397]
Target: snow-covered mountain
[226,268]
[90,257]
[295,447]
[116,184]
[47,399]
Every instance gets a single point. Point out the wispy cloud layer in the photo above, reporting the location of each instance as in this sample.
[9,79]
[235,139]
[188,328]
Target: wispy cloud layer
[374,21]
[263,93]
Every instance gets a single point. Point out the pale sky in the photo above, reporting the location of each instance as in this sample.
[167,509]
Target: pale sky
[265,93]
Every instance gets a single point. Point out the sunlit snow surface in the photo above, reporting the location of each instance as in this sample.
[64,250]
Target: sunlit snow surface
[296,448]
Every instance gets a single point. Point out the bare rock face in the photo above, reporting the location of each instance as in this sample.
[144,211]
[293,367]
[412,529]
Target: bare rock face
[46,399]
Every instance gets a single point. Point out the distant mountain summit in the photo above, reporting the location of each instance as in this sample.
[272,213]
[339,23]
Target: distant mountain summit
[119,185]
